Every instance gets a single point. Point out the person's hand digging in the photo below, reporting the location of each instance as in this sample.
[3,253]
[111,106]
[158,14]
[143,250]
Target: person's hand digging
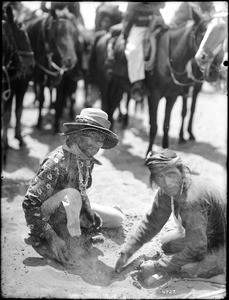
[57,246]
[121,262]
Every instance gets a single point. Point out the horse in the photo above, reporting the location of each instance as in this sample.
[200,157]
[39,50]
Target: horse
[176,47]
[107,16]
[53,41]
[68,85]
[213,48]
[17,65]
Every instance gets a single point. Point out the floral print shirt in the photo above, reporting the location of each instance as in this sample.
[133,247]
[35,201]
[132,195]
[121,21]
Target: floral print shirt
[52,177]
[202,209]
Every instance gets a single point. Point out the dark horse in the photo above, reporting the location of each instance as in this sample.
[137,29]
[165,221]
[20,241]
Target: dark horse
[17,65]
[53,41]
[175,49]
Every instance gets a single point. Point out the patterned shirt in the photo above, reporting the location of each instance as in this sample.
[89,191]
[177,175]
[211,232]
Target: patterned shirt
[52,177]
[202,209]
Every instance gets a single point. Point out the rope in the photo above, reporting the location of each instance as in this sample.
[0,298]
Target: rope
[82,183]
[55,74]
[172,71]
[49,54]
[6,94]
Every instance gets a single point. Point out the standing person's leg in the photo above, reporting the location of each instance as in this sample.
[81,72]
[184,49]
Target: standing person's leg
[135,55]
[112,217]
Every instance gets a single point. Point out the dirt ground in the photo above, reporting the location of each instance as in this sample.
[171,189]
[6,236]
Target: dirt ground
[121,180]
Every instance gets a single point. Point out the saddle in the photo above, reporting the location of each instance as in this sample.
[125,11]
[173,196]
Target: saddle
[154,30]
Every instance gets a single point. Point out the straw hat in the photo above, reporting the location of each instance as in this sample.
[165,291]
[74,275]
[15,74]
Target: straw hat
[93,119]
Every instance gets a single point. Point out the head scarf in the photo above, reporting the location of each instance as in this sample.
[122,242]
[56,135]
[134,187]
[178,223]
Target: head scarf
[163,160]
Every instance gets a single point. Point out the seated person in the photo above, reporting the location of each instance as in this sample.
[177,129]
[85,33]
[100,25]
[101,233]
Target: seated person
[197,243]
[56,204]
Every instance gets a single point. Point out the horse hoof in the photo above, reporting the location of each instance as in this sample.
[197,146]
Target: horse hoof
[182,141]
[192,138]
[125,120]
[120,117]
[19,138]
[22,144]
[56,130]
[38,126]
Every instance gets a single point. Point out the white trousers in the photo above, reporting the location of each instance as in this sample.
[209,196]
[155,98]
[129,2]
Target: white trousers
[72,202]
[135,54]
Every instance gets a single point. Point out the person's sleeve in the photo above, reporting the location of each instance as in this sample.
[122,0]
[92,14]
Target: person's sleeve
[40,189]
[196,242]
[151,225]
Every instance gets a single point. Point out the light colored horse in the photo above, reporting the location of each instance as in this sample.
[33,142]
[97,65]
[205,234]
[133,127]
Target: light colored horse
[215,41]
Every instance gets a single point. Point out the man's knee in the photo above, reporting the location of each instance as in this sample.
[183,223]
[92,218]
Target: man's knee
[118,219]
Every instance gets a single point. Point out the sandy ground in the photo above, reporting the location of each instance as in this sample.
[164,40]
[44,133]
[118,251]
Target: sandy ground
[121,180]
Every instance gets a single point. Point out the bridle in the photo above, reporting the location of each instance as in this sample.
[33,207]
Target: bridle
[189,74]
[53,69]
[211,54]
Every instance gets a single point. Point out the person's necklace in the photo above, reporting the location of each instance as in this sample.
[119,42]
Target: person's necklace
[83,183]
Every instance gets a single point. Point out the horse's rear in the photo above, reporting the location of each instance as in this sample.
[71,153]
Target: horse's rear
[18,66]
[98,68]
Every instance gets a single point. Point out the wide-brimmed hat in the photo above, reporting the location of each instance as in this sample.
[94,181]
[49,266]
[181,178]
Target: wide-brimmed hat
[93,119]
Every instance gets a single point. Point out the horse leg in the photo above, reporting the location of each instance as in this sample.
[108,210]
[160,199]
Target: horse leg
[196,89]
[51,104]
[18,111]
[87,93]
[41,103]
[115,93]
[168,108]
[124,117]
[6,116]
[153,101]
[183,115]
[73,87]
[35,93]
[59,106]
[72,103]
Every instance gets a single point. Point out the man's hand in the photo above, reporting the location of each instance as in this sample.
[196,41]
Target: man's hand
[98,222]
[121,262]
[57,246]
[94,218]
[60,250]
[146,269]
